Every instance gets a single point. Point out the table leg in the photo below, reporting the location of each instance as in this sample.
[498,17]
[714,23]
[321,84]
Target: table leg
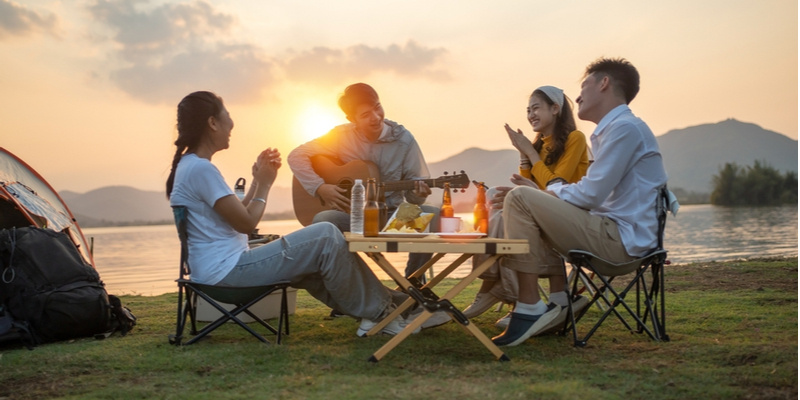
[417,322]
[498,354]
[382,262]
[421,271]
[471,328]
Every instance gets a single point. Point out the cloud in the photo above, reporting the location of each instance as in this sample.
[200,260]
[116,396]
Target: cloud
[235,72]
[168,50]
[326,65]
[16,20]
[173,49]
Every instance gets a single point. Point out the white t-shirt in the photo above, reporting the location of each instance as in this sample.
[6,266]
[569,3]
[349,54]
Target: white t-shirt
[214,246]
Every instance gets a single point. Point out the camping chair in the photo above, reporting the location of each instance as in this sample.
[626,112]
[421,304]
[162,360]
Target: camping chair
[647,282]
[242,297]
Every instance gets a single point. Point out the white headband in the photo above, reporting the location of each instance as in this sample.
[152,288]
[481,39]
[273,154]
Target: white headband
[555,94]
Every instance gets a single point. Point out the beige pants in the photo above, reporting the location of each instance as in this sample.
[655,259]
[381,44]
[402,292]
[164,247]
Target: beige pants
[551,223]
[506,287]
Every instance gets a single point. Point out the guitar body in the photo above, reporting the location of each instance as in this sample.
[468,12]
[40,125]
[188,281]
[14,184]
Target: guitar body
[344,175]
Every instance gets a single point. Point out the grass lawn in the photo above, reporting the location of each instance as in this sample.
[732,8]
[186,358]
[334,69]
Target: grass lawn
[732,325]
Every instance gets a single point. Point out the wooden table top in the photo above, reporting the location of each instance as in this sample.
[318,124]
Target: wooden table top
[435,244]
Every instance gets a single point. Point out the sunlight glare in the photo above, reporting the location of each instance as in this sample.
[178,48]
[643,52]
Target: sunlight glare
[315,121]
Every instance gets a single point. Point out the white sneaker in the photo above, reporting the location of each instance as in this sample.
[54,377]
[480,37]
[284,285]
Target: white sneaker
[482,302]
[394,327]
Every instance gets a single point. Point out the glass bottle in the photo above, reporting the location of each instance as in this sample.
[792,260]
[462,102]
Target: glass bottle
[481,213]
[447,202]
[371,211]
[383,209]
[357,208]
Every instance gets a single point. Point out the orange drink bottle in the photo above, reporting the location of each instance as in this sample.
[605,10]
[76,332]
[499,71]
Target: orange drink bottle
[481,213]
[447,202]
[371,211]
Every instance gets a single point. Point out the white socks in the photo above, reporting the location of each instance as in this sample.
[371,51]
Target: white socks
[559,298]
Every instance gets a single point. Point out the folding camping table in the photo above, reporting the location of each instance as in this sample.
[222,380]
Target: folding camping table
[422,294]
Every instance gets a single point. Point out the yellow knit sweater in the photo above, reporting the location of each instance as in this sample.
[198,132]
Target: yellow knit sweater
[571,166]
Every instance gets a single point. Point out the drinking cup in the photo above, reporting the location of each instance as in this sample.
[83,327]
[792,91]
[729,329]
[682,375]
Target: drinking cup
[449,224]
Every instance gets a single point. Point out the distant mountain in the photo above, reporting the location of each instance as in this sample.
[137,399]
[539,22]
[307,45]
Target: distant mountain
[117,204]
[493,167]
[114,205]
[691,156]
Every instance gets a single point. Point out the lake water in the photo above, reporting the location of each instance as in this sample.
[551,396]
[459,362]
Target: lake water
[144,259]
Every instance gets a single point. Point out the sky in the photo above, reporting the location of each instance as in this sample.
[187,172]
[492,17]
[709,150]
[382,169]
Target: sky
[90,88]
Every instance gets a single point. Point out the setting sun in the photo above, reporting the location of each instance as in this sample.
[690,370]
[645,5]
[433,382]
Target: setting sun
[315,120]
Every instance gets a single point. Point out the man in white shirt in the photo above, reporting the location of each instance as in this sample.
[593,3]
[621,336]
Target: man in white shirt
[610,212]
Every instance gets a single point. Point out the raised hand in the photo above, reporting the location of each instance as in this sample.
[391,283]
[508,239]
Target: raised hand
[522,144]
[265,169]
[519,141]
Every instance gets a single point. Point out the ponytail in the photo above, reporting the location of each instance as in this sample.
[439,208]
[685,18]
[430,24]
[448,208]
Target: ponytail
[175,160]
[193,113]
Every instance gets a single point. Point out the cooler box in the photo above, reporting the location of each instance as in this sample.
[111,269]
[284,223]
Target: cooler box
[268,308]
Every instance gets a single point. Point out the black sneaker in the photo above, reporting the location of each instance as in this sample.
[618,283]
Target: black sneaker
[522,326]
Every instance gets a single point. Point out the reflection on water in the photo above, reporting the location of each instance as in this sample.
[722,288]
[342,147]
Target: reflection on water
[705,232]
[144,259]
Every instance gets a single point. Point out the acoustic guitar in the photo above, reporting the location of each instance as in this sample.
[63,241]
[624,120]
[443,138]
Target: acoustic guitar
[344,176]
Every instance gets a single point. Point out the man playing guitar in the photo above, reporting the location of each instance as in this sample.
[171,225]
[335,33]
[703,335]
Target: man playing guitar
[371,138]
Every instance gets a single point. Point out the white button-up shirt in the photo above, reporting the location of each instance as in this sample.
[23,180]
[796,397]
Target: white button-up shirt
[622,183]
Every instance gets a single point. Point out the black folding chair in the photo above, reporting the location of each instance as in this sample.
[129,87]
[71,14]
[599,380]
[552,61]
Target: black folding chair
[242,297]
[648,314]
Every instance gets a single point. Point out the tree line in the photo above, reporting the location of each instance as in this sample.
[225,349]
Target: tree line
[756,185]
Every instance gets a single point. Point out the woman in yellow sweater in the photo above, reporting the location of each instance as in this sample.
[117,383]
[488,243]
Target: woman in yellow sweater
[558,154]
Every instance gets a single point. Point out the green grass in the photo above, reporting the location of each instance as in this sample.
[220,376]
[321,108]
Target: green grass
[733,331]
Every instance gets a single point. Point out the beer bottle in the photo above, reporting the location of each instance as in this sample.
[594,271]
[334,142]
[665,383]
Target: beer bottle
[447,202]
[371,212]
[383,209]
[480,213]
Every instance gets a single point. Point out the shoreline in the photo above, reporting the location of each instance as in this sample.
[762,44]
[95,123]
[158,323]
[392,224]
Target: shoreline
[669,267]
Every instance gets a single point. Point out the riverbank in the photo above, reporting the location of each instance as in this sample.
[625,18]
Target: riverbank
[142,260]
[732,325]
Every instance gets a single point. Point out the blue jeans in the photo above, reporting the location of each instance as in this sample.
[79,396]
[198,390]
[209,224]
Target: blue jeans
[415,260]
[316,259]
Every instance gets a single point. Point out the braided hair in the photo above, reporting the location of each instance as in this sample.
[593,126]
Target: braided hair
[193,113]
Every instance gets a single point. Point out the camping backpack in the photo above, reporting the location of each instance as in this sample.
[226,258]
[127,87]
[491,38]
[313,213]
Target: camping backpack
[50,288]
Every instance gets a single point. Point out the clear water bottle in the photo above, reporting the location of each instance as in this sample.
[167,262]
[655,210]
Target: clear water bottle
[357,208]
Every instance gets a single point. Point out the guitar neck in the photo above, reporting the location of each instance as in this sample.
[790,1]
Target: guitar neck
[409,185]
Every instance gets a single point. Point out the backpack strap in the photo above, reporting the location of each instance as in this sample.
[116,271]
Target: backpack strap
[122,319]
